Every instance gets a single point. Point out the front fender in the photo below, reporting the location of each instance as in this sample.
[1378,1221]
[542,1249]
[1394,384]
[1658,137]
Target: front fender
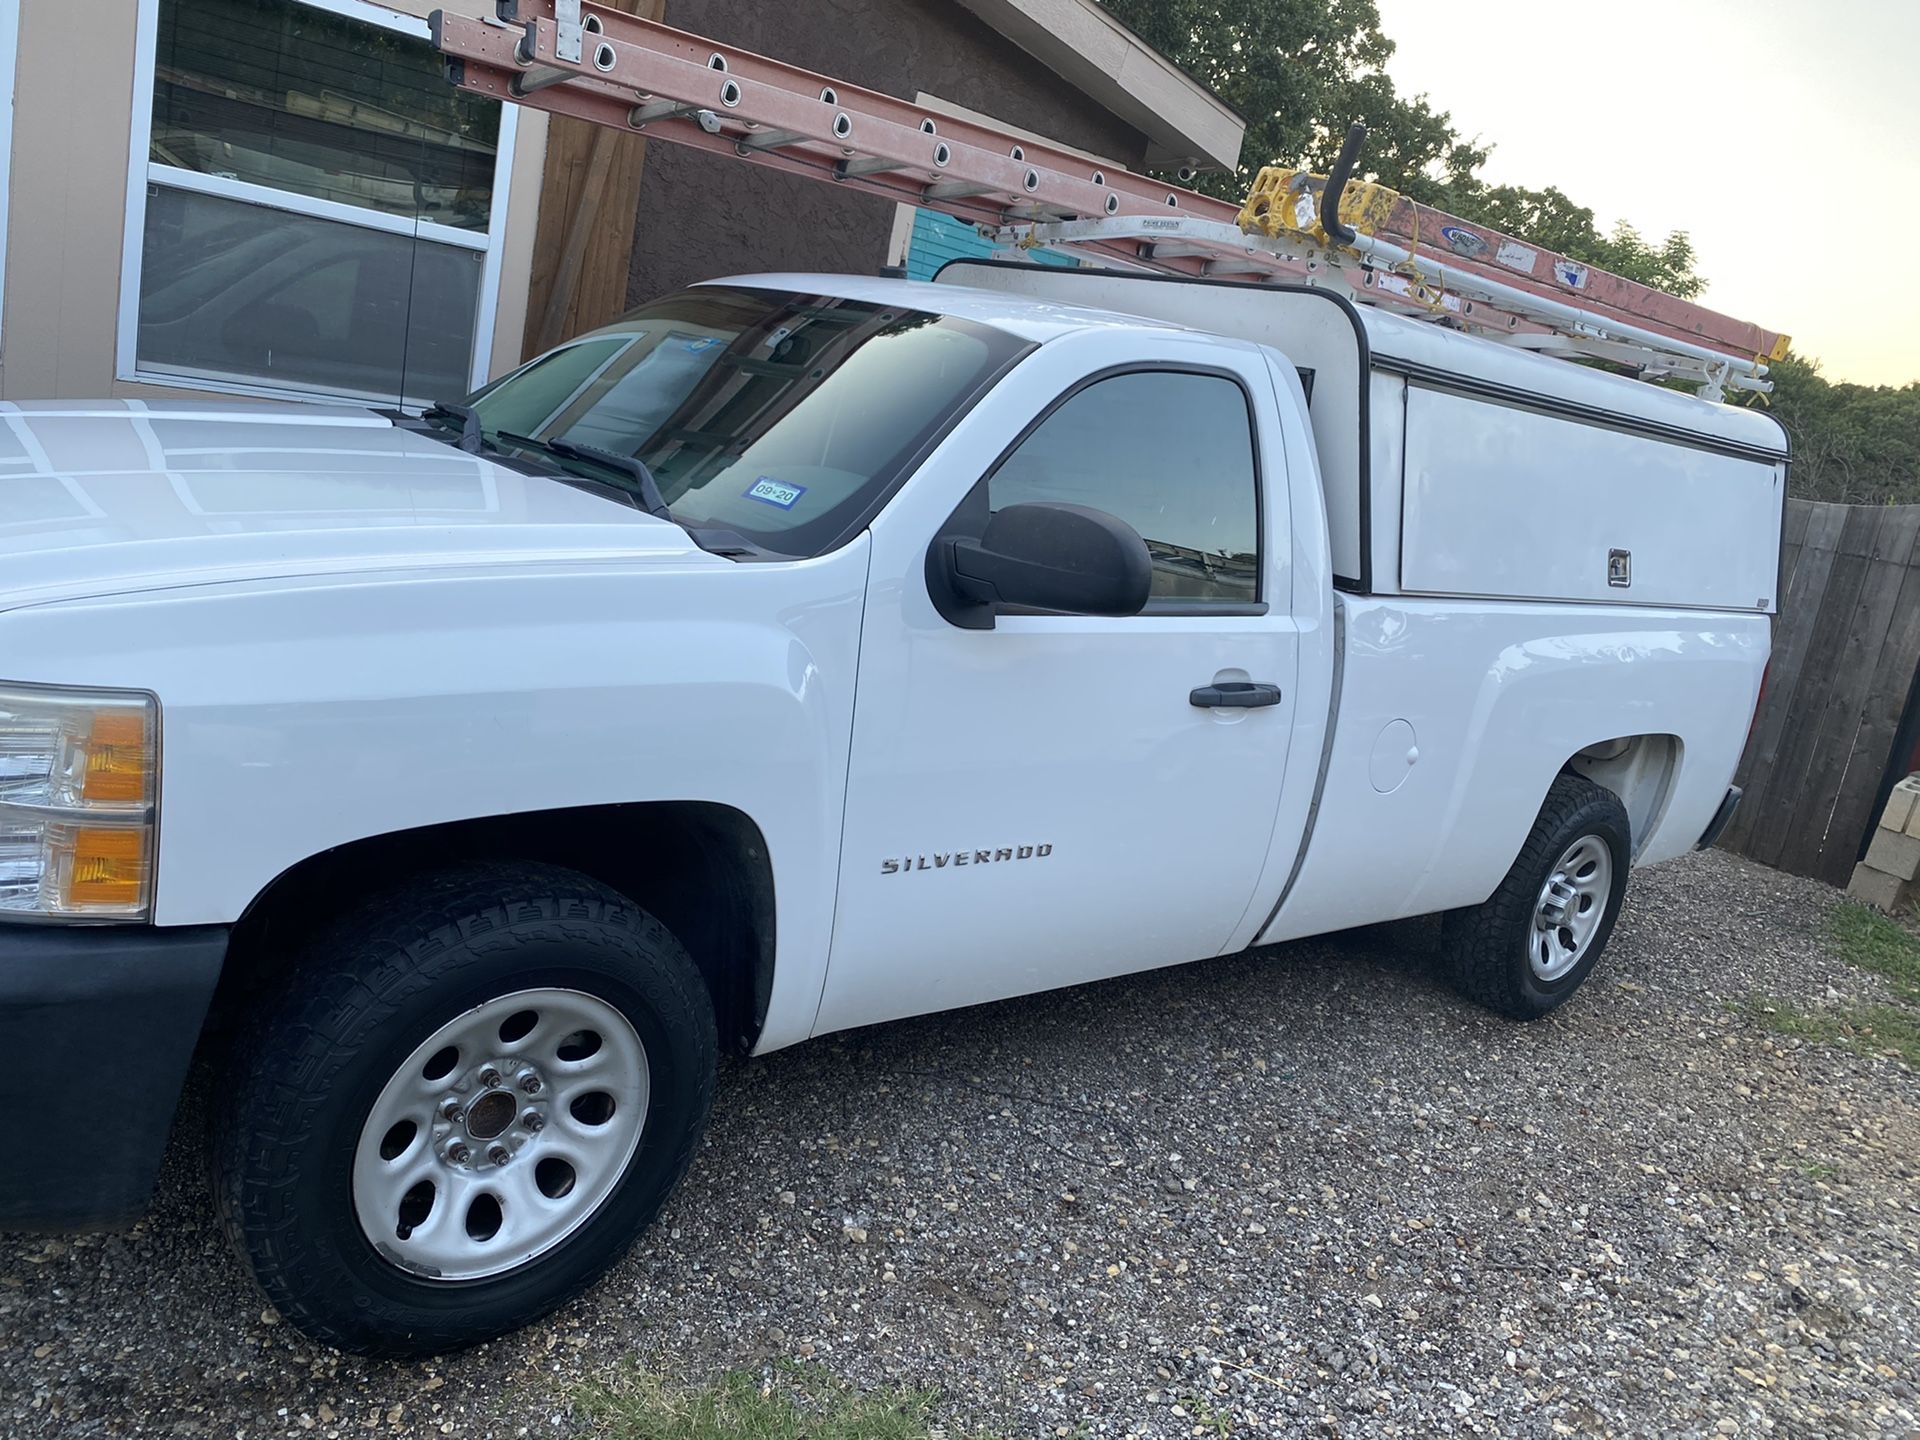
[301,716]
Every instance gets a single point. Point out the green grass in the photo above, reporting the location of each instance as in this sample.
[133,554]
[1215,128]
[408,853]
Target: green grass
[1876,943]
[1218,1421]
[1880,1029]
[794,1404]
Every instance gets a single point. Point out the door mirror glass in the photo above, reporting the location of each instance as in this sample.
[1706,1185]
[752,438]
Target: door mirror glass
[1047,556]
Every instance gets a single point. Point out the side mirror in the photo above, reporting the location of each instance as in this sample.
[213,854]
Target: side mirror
[1043,556]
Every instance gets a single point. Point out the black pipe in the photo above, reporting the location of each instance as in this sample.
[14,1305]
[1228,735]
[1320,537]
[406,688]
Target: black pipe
[1337,186]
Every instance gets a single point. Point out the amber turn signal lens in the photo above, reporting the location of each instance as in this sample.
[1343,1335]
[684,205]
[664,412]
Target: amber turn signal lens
[109,868]
[79,783]
[118,762]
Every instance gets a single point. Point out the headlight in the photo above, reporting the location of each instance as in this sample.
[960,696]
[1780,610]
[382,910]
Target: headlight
[79,770]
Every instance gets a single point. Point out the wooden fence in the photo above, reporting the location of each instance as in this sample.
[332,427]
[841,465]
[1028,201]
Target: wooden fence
[589,205]
[1846,647]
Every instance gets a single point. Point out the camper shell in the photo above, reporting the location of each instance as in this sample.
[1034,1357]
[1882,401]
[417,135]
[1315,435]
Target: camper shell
[1609,489]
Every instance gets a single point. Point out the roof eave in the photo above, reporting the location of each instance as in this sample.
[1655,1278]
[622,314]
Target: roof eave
[1184,122]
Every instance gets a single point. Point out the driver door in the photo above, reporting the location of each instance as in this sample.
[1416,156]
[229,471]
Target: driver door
[1048,801]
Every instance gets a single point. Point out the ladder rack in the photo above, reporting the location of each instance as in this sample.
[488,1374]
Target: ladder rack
[646,78]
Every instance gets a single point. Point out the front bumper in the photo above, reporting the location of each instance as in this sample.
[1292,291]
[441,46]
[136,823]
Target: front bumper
[97,1024]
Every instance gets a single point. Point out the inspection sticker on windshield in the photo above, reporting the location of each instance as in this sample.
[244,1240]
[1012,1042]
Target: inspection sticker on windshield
[769,491]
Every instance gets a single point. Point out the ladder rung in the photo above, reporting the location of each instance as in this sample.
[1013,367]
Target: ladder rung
[660,110]
[769,140]
[954,190]
[870,165]
[536,80]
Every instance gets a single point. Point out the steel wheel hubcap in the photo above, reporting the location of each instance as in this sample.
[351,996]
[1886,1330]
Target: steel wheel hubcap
[501,1134]
[1571,905]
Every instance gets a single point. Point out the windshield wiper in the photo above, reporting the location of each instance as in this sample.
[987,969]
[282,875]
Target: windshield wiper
[473,435]
[632,466]
[711,538]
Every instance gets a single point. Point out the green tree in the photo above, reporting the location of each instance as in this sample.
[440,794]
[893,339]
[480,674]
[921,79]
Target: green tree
[1301,71]
[1852,444]
[1550,219]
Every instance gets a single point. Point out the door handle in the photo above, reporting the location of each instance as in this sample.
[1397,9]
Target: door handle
[1235,695]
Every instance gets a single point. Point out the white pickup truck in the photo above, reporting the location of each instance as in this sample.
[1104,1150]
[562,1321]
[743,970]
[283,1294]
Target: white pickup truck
[803,652]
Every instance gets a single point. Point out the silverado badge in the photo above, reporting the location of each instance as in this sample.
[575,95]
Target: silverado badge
[907,864]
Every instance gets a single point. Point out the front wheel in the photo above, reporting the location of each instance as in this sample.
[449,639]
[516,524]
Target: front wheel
[1528,947]
[465,1103]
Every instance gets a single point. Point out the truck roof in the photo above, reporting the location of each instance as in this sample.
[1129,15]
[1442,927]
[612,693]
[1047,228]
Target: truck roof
[1035,320]
[1485,366]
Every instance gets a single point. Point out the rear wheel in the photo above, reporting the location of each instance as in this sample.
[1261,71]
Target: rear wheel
[1537,938]
[466,1102]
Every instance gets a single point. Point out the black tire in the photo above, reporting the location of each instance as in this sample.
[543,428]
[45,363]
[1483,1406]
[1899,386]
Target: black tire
[1487,946]
[367,991]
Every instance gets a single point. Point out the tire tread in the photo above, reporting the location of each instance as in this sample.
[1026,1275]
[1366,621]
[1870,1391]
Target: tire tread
[372,959]
[1479,940]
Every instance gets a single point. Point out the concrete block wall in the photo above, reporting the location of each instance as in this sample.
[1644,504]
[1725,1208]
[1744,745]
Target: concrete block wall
[1889,878]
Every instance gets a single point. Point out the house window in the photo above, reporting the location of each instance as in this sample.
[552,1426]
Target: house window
[318,211]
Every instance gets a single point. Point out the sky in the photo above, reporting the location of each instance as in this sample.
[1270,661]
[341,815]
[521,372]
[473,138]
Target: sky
[1737,121]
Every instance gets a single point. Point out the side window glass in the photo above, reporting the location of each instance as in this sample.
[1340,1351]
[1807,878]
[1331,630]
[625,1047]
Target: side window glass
[1171,454]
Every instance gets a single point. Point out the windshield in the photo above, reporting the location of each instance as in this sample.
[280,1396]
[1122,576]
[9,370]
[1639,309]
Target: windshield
[784,417]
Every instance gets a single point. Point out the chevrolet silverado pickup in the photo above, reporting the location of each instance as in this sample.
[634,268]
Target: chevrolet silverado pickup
[799,653]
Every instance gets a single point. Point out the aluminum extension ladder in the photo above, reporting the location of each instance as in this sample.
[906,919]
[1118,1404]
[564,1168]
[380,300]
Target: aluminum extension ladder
[643,77]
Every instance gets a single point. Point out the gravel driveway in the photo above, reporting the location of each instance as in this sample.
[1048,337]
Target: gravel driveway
[1303,1191]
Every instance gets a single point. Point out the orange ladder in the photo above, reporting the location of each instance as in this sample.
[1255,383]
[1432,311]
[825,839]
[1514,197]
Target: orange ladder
[637,75]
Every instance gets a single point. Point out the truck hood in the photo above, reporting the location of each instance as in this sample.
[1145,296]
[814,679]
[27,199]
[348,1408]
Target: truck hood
[126,495]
